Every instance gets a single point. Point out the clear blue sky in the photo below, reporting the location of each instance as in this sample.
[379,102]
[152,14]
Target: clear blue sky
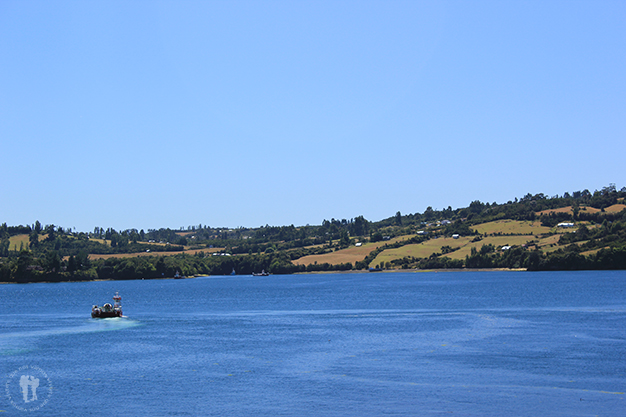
[149,114]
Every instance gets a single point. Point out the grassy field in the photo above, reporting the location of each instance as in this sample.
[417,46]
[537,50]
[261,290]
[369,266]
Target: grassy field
[420,250]
[568,209]
[549,243]
[185,233]
[594,251]
[518,233]
[615,208]
[511,227]
[352,254]
[493,240]
[108,242]
[16,241]
[425,249]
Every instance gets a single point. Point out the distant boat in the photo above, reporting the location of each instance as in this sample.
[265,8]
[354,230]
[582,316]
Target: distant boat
[177,275]
[375,269]
[233,272]
[260,274]
[108,310]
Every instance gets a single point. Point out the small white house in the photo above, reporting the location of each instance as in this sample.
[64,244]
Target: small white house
[455,236]
[565,224]
[506,247]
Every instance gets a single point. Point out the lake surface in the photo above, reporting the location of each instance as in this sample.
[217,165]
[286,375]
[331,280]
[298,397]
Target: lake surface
[365,344]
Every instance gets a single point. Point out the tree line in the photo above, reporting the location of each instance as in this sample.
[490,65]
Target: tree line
[54,251]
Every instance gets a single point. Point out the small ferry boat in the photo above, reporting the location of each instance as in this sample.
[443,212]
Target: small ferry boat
[260,274]
[108,310]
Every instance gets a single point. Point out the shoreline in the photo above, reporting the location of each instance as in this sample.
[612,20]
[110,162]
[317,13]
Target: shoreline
[351,271]
[387,271]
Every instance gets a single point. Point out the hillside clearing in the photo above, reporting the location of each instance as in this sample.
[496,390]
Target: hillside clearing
[511,227]
[420,250]
[465,245]
[18,241]
[615,208]
[569,210]
[352,254]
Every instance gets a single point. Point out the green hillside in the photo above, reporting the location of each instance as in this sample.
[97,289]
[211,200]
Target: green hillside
[582,230]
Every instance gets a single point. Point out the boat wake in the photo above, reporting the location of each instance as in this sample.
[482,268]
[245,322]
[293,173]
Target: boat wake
[91,326]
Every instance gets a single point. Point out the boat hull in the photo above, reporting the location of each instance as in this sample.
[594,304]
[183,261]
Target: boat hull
[106,314]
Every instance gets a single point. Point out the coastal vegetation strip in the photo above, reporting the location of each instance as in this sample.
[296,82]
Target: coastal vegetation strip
[573,231]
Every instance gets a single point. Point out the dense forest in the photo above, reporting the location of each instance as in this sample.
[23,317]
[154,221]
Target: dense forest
[35,252]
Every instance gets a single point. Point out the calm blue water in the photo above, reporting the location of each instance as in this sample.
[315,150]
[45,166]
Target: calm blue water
[426,344]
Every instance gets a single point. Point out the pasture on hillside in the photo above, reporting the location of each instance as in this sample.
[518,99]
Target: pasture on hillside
[497,241]
[549,243]
[517,227]
[18,241]
[420,250]
[569,210]
[615,208]
[465,245]
[352,254]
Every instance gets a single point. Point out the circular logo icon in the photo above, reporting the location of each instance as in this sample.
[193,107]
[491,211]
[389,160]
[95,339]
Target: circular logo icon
[28,388]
